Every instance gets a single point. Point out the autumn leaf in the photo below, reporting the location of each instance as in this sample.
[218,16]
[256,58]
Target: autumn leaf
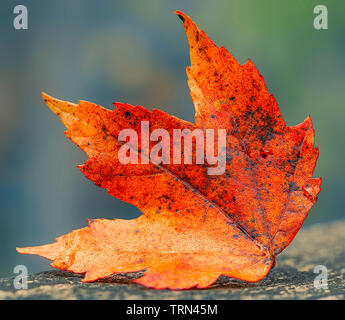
[195,226]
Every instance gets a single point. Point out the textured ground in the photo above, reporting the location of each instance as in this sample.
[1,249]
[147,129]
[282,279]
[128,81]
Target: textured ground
[292,278]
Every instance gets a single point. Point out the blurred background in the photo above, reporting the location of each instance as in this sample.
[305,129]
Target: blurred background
[136,52]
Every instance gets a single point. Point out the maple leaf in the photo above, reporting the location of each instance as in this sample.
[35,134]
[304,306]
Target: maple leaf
[195,226]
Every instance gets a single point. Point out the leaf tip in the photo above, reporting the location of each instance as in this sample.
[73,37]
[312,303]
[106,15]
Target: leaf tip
[51,102]
[187,21]
[58,106]
[184,18]
[27,250]
[20,250]
[181,15]
[45,97]
[23,250]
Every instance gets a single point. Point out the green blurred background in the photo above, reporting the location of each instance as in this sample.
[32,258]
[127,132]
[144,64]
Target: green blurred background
[136,52]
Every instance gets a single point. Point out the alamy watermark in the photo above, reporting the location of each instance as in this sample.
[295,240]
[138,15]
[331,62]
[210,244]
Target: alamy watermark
[21,19]
[199,147]
[321,280]
[20,282]
[321,18]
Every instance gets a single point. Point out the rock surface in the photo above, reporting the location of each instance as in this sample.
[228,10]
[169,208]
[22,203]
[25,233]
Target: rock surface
[292,278]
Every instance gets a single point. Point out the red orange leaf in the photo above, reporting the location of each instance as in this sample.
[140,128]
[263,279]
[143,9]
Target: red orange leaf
[195,226]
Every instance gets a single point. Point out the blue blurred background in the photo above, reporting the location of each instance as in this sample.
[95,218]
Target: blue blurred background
[136,52]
